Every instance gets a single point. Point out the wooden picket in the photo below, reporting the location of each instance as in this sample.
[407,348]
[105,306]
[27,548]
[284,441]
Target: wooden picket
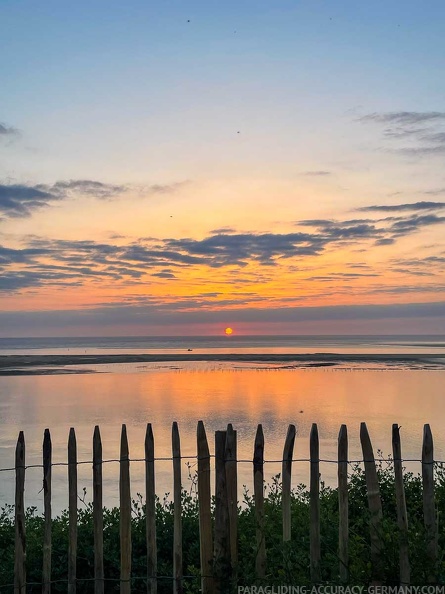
[219,540]
[72,511]
[98,520]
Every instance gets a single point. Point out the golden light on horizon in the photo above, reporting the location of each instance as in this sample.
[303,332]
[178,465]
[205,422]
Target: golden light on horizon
[228,331]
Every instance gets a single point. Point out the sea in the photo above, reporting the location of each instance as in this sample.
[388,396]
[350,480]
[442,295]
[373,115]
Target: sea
[244,393]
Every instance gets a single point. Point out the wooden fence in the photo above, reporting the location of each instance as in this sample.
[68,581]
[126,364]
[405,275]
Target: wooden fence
[218,534]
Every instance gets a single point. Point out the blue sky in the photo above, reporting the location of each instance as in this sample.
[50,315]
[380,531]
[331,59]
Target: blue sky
[209,118]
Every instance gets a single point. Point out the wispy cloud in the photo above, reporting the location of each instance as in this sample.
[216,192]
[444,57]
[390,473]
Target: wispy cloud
[321,173]
[8,131]
[404,117]
[424,130]
[21,200]
[421,206]
[436,192]
[85,187]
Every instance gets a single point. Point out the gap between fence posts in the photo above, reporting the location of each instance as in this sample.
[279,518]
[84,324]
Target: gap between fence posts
[375,507]
[402,517]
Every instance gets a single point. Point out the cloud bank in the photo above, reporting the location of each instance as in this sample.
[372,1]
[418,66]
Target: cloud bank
[42,262]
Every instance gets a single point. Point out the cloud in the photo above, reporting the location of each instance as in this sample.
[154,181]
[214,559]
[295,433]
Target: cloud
[404,117]
[403,207]
[320,173]
[164,274]
[426,266]
[8,131]
[424,130]
[422,151]
[21,200]
[334,276]
[437,192]
[138,316]
[411,224]
[58,262]
[85,187]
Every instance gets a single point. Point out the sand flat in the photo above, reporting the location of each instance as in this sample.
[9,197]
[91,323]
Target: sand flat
[62,364]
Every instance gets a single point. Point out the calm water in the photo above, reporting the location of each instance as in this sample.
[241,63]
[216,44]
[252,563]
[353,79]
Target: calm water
[218,394]
[224,344]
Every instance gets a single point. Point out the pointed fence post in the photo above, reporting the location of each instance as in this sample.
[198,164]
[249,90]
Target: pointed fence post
[222,566]
[72,510]
[375,507]
[125,514]
[429,508]
[343,504]
[258,489]
[232,495]
[47,461]
[150,511]
[20,535]
[402,517]
[98,521]
[177,528]
[314,495]
[205,517]
[286,481]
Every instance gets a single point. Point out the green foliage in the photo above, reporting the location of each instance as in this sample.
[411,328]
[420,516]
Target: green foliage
[287,563]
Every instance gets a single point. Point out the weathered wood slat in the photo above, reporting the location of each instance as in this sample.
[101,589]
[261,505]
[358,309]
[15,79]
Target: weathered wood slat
[221,566]
[429,507]
[47,461]
[125,514]
[20,535]
[72,511]
[343,505]
[205,518]
[314,502]
[177,529]
[258,490]
[286,481]
[375,506]
[402,517]
[232,494]
[98,522]
[150,511]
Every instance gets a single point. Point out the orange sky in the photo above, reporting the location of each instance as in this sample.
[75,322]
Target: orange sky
[194,177]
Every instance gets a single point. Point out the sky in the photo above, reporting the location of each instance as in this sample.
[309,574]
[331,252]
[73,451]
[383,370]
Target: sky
[173,168]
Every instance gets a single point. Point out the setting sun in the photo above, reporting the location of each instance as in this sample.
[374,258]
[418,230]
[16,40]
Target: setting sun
[228,331]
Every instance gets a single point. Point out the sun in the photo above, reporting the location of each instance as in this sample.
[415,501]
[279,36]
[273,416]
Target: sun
[228,331]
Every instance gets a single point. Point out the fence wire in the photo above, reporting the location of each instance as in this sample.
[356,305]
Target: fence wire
[241,461]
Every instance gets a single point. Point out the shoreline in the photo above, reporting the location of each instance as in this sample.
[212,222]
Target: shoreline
[61,364]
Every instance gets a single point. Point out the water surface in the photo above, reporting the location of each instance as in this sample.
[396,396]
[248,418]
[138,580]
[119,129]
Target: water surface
[217,394]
